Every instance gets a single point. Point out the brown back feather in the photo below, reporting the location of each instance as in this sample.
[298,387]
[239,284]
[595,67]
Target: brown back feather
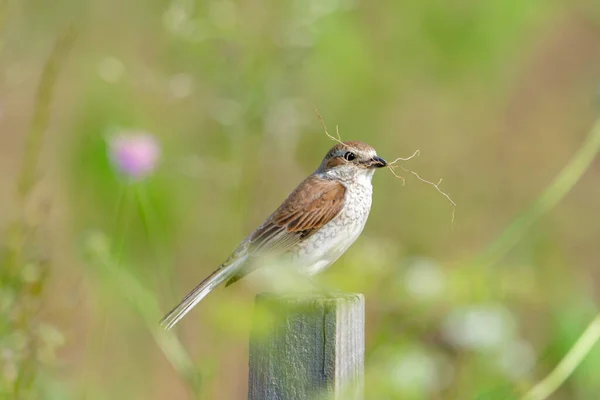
[314,203]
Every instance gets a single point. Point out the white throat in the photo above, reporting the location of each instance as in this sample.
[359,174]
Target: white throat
[351,175]
[365,178]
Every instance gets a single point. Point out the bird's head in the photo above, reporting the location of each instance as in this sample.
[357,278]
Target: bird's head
[351,159]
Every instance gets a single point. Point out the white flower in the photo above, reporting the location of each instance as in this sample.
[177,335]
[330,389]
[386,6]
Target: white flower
[418,370]
[111,69]
[516,358]
[479,327]
[425,279]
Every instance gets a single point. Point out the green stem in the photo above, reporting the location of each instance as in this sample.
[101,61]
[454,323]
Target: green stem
[156,238]
[122,220]
[554,193]
[28,294]
[146,305]
[41,116]
[561,185]
[567,365]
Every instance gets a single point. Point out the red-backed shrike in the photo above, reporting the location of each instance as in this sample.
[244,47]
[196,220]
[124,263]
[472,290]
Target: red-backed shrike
[313,227]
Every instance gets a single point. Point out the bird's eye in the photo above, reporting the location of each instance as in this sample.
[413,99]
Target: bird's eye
[349,156]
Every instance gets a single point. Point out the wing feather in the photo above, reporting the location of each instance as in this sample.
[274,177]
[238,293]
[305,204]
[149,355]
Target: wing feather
[314,203]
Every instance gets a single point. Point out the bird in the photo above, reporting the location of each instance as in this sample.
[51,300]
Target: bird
[311,229]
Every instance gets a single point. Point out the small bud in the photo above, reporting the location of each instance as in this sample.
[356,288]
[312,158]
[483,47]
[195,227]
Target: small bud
[134,154]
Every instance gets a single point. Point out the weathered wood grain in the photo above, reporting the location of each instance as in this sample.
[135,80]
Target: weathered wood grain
[312,348]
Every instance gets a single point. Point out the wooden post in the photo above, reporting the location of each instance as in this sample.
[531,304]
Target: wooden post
[311,348]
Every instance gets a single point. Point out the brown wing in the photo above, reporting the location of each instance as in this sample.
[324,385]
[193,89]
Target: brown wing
[315,202]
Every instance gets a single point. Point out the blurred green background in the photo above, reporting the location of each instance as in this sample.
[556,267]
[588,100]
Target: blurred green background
[497,95]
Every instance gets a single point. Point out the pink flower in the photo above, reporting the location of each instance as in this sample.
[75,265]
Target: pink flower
[135,154]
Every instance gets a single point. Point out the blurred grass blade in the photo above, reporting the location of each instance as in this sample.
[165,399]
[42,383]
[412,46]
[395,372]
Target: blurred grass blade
[157,239]
[567,365]
[97,250]
[561,185]
[41,114]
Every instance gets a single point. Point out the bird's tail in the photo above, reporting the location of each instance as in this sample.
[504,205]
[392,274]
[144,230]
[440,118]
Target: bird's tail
[224,272]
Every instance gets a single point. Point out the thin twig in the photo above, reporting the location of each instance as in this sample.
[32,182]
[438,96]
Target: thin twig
[338,139]
[435,185]
[416,153]
[394,164]
[393,171]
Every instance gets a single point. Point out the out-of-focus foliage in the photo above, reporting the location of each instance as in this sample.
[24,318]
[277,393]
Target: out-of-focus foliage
[497,95]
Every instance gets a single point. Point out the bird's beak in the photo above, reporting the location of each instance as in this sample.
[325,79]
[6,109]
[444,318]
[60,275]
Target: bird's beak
[378,162]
